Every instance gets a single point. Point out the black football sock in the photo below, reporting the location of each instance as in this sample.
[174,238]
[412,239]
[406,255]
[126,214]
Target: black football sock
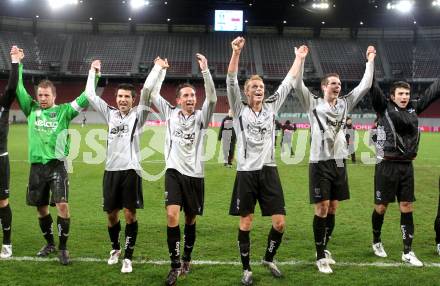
[173,240]
[319,233]
[131,231]
[6,221]
[329,226]
[46,228]
[63,231]
[273,242]
[189,239]
[244,245]
[113,232]
[377,222]
[407,228]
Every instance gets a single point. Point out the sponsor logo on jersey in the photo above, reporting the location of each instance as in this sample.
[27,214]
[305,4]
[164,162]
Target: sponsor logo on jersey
[121,129]
[336,123]
[186,138]
[46,124]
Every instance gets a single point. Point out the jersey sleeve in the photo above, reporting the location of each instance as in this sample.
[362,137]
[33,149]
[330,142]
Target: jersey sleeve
[429,96]
[95,101]
[210,99]
[164,107]
[362,89]
[278,98]
[152,82]
[24,99]
[9,95]
[233,92]
[378,98]
[301,91]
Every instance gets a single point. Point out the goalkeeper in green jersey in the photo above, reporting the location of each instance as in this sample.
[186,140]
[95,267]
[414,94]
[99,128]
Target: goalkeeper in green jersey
[49,144]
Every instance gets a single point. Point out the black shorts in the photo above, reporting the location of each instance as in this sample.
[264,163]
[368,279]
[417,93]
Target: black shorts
[263,186]
[185,191]
[328,181]
[47,181]
[393,179]
[122,189]
[4,177]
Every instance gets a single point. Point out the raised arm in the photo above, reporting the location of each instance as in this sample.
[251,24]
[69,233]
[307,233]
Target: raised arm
[429,96]
[152,86]
[210,94]
[9,95]
[303,93]
[24,99]
[164,107]
[378,98]
[364,86]
[233,89]
[95,101]
[278,98]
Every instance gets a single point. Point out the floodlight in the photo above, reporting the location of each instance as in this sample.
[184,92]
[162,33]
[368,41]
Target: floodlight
[436,3]
[137,4]
[321,6]
[403,6]
[56,4]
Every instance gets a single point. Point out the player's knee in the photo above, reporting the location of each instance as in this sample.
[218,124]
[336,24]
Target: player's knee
[190,219]
[63,210]
[172,217]
[43,211]
[279,225]
[246,223]
[130,216]
[321,209]
[4,203]
[406,207]
[381,209]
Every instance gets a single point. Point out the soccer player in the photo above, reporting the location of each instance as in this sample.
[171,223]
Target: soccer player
[396,147]
[122,183]
[184,183]
[328,182]
[349,137]
[286,139]
[257,176]
[5,104]
[227,136]
[49,144]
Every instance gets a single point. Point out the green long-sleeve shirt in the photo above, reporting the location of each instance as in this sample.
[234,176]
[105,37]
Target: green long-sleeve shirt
[48,128]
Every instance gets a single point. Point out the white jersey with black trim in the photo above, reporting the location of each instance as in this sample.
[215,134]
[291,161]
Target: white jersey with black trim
[327,122]
[124,130]
[255,132]
[185,135]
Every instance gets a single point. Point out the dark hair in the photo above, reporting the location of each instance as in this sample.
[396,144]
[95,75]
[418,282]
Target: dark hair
[45,83]
[324,80]
[399,84]
[127,86]
[183,85]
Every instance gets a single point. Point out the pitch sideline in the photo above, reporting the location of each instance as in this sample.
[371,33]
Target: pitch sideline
[214,262]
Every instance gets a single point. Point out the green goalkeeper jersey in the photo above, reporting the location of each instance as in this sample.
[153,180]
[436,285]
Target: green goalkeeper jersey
[48,128]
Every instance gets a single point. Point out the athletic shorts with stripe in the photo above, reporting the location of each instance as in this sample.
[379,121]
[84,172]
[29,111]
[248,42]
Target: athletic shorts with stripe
[122,189]
[48,184]
[328,181]
[263,186]
[185,191]
[393,179]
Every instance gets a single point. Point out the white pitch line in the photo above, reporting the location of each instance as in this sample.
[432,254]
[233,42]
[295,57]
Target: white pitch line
[216,262]
[221,163]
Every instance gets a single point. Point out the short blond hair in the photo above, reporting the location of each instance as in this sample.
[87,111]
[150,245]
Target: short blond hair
[252,77]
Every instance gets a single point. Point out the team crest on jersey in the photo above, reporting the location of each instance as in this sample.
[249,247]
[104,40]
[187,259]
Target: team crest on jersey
[52,115]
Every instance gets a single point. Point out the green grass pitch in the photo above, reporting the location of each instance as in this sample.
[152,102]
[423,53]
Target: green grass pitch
[216,230]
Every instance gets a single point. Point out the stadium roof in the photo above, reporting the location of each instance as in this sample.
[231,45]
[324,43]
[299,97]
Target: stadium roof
[341,13]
